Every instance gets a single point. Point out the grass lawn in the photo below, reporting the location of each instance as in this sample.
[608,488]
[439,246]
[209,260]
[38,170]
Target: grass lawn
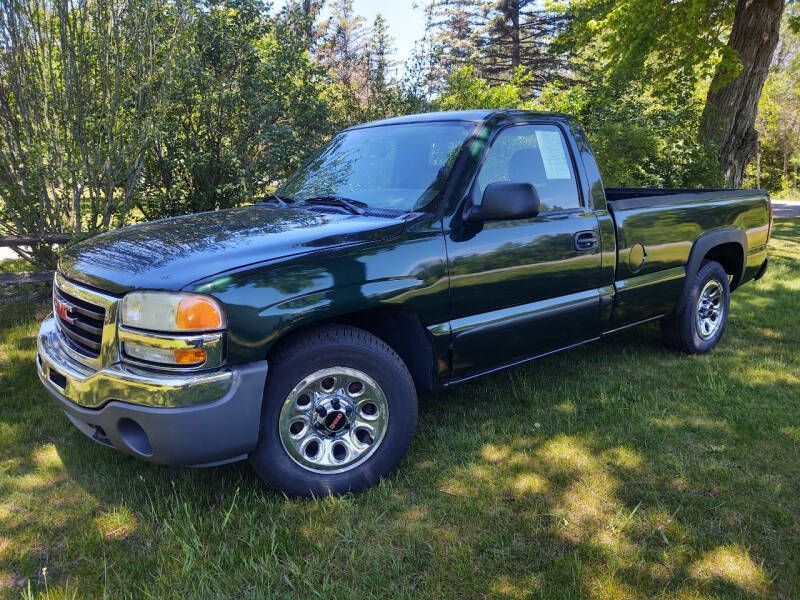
[15,265]
[790,196]
[619,470]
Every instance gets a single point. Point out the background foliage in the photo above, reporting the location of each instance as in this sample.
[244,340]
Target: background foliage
[114,111]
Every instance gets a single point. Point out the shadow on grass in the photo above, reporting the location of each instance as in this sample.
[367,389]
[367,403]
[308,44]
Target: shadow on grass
[619,470]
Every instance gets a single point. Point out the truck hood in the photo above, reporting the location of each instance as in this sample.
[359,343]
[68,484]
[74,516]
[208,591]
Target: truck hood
[172,253]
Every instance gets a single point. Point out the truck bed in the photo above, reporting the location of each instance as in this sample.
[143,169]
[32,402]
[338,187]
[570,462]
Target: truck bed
[627,198]
[656,230]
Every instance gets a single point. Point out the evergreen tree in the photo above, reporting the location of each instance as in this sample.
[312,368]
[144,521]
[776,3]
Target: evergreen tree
[384,97]
[495,37]
[343,49]
[451,38]
[379,55]
[517,33]
[303,15]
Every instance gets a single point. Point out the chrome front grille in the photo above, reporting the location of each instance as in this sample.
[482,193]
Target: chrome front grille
[81,321]
[87,322]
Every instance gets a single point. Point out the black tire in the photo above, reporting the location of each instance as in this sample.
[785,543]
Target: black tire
[324,348]
[680,329]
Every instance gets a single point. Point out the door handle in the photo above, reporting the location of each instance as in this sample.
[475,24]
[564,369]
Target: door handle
[585,240]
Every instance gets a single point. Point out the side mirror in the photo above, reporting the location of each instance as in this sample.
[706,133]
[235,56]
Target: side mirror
[506,201]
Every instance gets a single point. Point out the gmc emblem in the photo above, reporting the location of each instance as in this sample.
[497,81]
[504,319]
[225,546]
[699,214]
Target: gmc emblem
[64,310]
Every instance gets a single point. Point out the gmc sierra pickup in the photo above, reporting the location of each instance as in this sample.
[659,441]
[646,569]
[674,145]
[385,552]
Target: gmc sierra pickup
[410,254]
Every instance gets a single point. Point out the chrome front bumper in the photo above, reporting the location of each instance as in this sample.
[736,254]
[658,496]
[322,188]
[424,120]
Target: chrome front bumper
[93,388]
[196,418]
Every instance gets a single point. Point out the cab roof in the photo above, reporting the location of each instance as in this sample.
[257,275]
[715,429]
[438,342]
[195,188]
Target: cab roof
[476,116]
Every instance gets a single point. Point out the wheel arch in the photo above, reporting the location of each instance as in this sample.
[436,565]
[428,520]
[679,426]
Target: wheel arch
[726,246]
[400,327]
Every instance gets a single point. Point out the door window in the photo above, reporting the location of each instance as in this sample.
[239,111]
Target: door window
[534,154]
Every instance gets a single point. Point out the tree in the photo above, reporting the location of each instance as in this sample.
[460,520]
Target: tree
[517,33]
[81,85]
[383,96]
[302,16]
[675,48]
[379,54]
[450,40]
[495,37]
[343,49]
[778,120]
[167,106]
[639,140]
[668,46]
[778,124]
[732,101]
[465,89]
[359,63]
[244,108]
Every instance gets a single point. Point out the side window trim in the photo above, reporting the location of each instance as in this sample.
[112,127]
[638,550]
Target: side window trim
[582,205]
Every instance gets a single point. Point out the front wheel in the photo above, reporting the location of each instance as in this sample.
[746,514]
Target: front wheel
[698,325]
[339,412]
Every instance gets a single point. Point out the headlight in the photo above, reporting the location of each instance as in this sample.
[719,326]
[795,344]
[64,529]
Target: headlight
[172,312]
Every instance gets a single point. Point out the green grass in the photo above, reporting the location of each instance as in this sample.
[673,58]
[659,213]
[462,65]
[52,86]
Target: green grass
[15,265]
[619,470]
[787,196]
[20,294]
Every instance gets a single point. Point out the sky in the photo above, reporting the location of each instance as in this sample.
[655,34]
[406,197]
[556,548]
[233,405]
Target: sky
[406,22]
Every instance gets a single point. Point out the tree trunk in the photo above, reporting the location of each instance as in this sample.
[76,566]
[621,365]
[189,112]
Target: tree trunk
[732,103]
[796,161]
[515,42]
[758,169]
[309,26]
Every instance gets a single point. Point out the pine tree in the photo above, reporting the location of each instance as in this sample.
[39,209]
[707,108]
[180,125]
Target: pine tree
[382,89]
[311,10]
[343,49]
[379,54]
[450,37]
[303,15]
[517,33]
[496,37]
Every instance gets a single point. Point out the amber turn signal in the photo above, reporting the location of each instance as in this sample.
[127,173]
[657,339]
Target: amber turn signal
[190,356]
[197,313]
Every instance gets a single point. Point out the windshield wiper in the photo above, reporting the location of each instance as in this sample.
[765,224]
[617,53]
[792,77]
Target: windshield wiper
[275,199]
[354,206]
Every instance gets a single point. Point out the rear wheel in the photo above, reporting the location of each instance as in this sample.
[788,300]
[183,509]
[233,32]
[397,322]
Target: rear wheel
[340,411]
[698,325]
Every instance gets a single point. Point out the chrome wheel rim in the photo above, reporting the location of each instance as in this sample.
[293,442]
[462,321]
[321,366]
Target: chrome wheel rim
[333,420]
[710,309]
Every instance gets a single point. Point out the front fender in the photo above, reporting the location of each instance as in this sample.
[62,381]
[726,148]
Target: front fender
[266,302]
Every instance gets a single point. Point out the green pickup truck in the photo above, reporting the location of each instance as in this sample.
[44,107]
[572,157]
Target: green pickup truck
[411,254]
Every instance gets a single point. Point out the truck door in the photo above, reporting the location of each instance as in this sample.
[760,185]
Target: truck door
[523,288]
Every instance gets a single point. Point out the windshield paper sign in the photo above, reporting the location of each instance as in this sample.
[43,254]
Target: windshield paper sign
[555,159]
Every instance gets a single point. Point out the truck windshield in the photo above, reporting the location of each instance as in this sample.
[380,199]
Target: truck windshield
[401,167]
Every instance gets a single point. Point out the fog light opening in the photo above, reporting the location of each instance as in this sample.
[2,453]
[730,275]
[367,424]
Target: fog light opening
[134,437]
[57,379]
[100,435]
